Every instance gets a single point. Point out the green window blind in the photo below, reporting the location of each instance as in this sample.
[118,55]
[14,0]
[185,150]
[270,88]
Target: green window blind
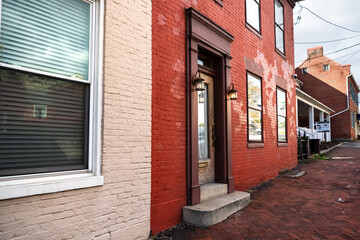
[46,35]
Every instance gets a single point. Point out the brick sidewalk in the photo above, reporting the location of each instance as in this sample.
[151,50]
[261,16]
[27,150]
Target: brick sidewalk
[323,204]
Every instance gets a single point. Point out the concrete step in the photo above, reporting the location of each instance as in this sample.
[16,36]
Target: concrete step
[212,190]
[215,210]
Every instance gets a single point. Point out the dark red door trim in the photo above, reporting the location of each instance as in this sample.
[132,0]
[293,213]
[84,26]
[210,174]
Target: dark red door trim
[203,32]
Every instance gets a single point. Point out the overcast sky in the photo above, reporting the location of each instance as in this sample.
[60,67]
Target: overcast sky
[345,13]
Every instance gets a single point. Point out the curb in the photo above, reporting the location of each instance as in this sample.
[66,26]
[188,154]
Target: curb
[329,149]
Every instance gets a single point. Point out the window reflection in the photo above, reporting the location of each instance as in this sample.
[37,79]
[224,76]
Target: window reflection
[254,108]
[281,129]
[253,13]
[254,92]
[203,124]
[281,102]
[279,26]
[255,128]
[281,113]
[279,39]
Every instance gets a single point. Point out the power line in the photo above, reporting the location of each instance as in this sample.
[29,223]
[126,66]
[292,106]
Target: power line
[336,52]
[327,21]
[343,49]
[351,56]
[329,41]
[301,8]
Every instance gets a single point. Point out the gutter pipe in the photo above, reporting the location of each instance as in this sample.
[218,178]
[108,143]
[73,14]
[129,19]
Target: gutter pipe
[347,94]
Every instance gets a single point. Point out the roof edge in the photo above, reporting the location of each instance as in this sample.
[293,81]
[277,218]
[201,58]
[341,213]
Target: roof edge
[310,100]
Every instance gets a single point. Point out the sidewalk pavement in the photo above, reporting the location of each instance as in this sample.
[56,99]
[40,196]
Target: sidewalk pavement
[323,204]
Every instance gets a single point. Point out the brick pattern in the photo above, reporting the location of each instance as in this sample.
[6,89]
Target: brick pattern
[329,87]
[323,204]
[250,166]
[120,209]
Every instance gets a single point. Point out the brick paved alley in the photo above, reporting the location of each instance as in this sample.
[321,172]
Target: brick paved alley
[323,204]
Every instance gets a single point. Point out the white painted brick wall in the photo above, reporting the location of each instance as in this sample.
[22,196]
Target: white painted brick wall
[120,209]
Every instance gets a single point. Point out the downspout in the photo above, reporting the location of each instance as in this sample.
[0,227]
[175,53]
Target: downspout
[347,94]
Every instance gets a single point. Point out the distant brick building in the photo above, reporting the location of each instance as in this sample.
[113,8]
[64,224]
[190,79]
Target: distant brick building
[334,85]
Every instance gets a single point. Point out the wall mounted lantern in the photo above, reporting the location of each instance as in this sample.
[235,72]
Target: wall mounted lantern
[199,81]
[232,92]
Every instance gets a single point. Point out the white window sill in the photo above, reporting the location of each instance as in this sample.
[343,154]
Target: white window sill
[15,187]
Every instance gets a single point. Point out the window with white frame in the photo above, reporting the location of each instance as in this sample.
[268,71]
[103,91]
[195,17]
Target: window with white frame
[305,71]
[279,26]
[253,14]
[326,67]
[48,86]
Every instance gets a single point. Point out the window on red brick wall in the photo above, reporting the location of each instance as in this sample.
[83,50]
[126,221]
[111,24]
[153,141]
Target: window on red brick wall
[279,26]
[326,67]
[254,101]
[281,115]
[252,14]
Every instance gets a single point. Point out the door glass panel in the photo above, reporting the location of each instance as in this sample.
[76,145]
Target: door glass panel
[203,124]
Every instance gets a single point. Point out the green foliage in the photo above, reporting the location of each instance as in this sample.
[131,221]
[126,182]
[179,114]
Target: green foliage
[320,156]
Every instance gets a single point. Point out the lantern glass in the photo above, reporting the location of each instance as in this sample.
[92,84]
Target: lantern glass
[232,92]
[233,95]
[199,81]
[200,86]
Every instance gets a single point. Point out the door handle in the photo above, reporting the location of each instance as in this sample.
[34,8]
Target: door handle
[213,133]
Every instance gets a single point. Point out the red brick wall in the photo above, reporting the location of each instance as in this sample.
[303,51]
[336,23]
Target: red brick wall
[329,87]
[250,166]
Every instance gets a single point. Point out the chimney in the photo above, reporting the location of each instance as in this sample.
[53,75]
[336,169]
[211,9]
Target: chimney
[315,52]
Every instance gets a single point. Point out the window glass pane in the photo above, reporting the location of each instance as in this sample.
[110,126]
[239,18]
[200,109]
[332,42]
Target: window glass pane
[254,92]
[281,129]
[255,125]
[279,14]
[203,124]
[51,36]
[281,102]
[205,61]
[252,14]
[279,37]
[42,123]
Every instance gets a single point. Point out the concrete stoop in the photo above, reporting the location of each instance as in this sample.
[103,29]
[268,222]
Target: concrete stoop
[215,210]
[212,190]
